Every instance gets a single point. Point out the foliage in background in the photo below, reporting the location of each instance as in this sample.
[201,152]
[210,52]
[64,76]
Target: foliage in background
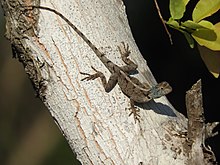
[205,33]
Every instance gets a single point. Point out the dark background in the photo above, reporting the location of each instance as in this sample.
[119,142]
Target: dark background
[26,128]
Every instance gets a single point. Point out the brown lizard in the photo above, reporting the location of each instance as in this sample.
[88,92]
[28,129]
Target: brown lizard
[130,86]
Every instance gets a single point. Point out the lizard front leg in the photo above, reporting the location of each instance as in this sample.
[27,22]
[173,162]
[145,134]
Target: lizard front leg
[125,52]
[108,86]
[135,111]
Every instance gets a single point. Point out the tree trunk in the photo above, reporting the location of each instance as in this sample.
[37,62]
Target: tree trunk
[95,123]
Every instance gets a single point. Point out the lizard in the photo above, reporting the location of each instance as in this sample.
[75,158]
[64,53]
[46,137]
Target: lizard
[136,91]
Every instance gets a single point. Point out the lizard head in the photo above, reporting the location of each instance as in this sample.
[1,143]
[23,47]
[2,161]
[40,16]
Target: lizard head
[159,90]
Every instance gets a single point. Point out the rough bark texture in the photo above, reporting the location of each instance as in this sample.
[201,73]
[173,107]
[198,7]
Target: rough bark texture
[198,131]
[94,122]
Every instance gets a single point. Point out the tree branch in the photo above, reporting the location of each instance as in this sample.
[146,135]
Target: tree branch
[198,131]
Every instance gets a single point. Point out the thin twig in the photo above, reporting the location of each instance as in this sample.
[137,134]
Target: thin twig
[163,22]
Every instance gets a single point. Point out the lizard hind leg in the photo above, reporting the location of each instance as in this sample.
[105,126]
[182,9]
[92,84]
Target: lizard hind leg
[108,86]
[92,76]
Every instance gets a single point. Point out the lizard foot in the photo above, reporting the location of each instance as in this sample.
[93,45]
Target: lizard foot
[91,76]
[124,50]
[135,112]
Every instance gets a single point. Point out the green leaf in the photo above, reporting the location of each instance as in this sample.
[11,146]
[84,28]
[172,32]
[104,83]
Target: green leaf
[211,59]
[206,24]
[205,8]
[177,8]
[209,38]
[189,39]
[172,23]
[192,26]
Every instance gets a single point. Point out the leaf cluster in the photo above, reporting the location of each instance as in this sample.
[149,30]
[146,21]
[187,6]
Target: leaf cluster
[205,33]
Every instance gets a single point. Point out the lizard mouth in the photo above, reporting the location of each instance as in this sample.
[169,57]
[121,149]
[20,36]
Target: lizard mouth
[159,91]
